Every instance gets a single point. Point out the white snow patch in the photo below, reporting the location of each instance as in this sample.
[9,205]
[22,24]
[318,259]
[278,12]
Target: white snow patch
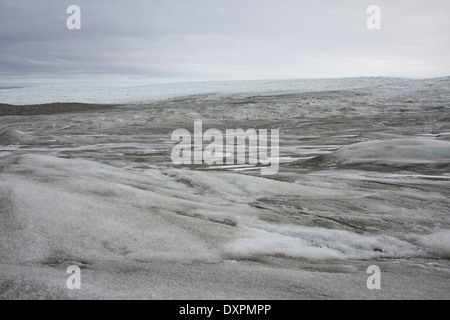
[438,242]
[317,243]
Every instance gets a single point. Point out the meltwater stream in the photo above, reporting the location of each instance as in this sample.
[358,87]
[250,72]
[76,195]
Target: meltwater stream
[364,180]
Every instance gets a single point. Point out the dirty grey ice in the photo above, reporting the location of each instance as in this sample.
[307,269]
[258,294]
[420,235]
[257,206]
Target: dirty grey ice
[364,180]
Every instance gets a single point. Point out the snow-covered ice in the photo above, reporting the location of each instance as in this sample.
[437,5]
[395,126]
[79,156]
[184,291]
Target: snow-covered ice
[364,180]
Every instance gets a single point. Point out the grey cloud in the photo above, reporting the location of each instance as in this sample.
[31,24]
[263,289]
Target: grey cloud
[225,39]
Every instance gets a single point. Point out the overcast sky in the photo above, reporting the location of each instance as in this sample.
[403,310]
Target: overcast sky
[224,39]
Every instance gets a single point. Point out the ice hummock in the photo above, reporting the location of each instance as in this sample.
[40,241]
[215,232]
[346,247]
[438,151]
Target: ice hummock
[395,151]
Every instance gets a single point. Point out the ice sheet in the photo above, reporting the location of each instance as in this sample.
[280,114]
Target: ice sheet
[364,180]
[123,94]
